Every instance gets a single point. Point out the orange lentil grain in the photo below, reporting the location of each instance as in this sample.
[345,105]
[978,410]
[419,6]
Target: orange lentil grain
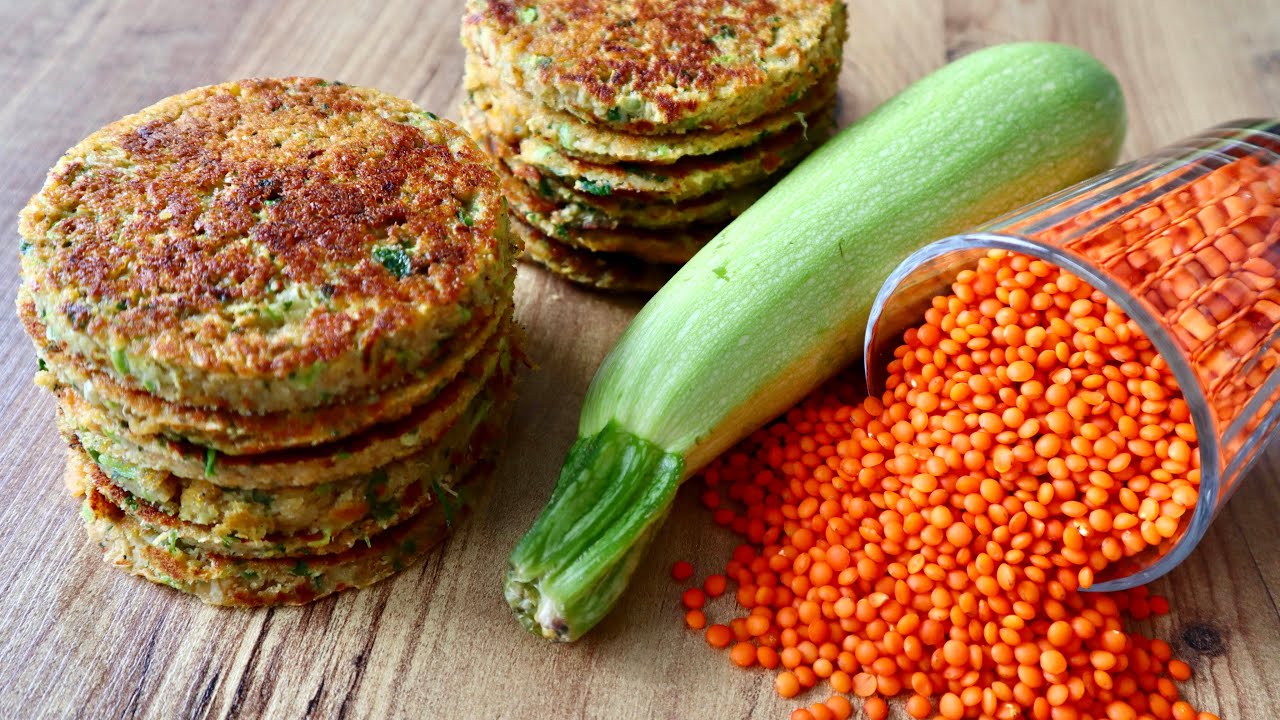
[743,654]
[821,712]
[918,707]
[718,636]
[714,585]
[840,706]
[758,625]
[786,684]
[950,707]
[695,619]
[1053,662]
[841,681]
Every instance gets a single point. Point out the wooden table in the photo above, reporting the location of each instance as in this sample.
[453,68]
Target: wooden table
[80,638]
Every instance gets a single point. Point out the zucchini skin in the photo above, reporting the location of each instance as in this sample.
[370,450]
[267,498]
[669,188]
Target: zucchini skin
[778,301]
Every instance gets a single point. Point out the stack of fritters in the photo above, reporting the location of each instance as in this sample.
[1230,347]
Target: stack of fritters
[276,315]
[629,132]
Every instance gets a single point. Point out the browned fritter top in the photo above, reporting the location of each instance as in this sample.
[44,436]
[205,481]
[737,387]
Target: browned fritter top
[651,66]
[288,229]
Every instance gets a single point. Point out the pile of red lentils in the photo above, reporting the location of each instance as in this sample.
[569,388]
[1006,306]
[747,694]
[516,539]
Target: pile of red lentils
[932,542]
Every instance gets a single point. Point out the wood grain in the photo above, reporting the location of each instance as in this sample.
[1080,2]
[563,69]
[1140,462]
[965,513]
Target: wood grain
[78,638]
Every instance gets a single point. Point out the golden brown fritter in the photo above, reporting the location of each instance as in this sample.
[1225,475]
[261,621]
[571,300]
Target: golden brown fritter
[297,467]
[234,433]
[607,271]
[287,522]
[690,177]
[579,209]
[652,66]
[602,144]
[265,244]
[243,582]
[662,245]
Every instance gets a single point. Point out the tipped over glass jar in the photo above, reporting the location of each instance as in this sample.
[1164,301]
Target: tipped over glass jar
[1187,242]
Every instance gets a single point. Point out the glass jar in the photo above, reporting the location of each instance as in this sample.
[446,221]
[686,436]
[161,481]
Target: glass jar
[1187,242]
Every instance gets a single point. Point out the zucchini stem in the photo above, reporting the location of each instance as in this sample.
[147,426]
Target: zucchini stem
[614,491]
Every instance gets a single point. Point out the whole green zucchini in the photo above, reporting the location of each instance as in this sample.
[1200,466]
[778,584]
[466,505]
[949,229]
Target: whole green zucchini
[778,301]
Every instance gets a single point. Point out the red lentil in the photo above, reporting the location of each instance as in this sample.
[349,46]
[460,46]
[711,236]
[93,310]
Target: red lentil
[695,619]
[821,712]
[743,654]
[715,585]
[918,706]
[786,684]
[841,708]
[876,708]
[934,539]
[718,636]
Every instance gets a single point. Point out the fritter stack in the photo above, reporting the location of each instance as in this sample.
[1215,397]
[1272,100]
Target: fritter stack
[630,131]
[276,315]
